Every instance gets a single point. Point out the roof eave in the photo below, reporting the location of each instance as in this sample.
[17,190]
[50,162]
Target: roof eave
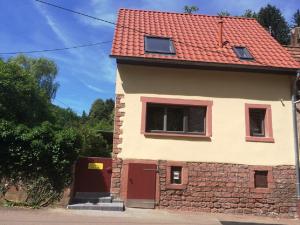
[202,65]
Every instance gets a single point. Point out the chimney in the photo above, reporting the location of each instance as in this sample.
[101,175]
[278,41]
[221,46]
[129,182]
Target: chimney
[295,37]
[220,33]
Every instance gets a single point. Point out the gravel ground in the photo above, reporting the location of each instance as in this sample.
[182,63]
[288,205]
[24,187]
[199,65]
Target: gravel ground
[59,216]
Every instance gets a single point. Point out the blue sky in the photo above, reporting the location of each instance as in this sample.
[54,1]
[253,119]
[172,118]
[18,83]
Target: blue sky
[86,74]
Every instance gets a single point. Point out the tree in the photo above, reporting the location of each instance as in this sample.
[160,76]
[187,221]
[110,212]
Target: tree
[271,17]
[44,71]
[93,143]
[38,160]
[21,99]
[65,118]
[101,110]
[190,9]
[224,13]
[250,14]
[296,18]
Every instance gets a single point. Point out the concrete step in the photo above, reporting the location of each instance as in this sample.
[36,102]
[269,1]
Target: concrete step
[114,206]
[140,203]
[91,200]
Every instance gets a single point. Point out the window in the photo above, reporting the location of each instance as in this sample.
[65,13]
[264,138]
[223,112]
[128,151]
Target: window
[261,179]
[175,118]
[258,123]
[159,45]
[242,52]
[177,175]
[176,172]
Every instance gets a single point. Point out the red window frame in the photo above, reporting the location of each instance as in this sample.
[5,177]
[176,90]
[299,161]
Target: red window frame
[270,179]
[268,123]
[184,175]
[184,102]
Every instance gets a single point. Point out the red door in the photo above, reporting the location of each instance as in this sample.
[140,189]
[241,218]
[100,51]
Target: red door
[93,174]
[141,185]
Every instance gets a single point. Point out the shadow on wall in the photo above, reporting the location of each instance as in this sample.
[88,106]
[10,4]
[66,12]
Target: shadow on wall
[206,83]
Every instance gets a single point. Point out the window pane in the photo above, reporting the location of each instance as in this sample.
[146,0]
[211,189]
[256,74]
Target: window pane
[175,119]
[160,45]
[176,172]
[155,117]
[261,179]
[196,119]
[243,53]
[257,122]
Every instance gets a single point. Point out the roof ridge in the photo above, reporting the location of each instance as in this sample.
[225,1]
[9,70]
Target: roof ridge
[178,13]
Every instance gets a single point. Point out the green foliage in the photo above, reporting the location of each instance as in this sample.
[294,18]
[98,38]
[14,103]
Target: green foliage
[65,117]
[271,17]
[43,70]
[250,14]
[190,9]
[224,13]
[39,159]
[21,100]
[101,110]
[296,19]
[93,143]
[39,142]
[98,122]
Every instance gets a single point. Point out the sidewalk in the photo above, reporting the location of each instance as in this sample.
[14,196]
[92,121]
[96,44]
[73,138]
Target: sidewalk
[59,216]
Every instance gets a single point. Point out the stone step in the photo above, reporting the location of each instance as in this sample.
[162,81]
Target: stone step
[114,206]
[81,199]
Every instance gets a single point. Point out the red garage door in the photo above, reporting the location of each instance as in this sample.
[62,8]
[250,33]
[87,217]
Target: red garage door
[93,174]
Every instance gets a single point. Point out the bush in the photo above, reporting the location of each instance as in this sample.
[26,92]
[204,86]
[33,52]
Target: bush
[39,159]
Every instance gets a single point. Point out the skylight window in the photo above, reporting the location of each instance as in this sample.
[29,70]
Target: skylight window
[159,45]
[242,52]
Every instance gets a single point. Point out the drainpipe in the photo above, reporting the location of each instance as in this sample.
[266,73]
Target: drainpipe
[296,148]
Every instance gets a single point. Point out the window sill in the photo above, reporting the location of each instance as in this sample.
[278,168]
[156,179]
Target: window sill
[176,135]
[260,139]
[176,186]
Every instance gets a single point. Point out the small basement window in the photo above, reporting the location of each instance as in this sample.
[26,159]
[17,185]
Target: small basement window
[242,52]
[159,45]
[176,175]
[261,179]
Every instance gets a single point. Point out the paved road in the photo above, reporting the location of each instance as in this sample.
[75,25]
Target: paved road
[12,216]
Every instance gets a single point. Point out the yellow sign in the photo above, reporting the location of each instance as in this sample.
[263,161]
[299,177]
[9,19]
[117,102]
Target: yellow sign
[95,166]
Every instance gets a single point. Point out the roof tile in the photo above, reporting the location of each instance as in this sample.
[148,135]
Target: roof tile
[195,38]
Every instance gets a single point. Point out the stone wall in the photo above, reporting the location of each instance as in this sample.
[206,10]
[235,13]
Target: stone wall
[16,194]
[117,140]
[228,188]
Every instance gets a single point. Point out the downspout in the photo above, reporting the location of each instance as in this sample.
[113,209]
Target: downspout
[296,146]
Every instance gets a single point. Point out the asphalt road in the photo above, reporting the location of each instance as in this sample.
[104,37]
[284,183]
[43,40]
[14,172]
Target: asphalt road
[58,216]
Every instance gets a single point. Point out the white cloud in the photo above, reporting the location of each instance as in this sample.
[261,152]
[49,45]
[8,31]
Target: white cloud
[54,27]
[95,88]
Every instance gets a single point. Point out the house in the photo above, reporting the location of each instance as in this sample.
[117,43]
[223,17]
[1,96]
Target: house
[204,117]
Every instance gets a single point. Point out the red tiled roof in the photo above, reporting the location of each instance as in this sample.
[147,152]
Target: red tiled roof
[195,38]
[295,52]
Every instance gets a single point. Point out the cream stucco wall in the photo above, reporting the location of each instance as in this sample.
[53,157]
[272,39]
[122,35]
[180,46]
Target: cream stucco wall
[229,92]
